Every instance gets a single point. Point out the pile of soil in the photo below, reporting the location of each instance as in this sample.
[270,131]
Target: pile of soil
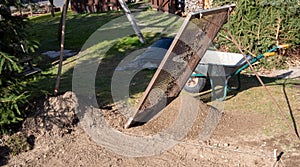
[59,139]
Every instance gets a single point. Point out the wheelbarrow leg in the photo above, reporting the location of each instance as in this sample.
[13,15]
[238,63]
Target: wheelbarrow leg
[217,76]
[225,88]
[214,94]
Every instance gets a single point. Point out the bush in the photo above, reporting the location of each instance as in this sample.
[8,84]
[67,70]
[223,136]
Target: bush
[259,25]
[13,47]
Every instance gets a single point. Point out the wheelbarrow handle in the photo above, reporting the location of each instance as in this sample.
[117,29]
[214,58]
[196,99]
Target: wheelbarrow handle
[257,58]
[268,54]
[284,46]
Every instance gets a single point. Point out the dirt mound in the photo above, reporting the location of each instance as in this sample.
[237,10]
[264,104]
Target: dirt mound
[54,116]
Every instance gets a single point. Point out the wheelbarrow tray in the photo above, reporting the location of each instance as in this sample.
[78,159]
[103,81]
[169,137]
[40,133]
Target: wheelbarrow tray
[152,57]
[230,61]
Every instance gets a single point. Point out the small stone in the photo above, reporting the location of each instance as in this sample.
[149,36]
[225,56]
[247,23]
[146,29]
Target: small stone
[226,144]
[50,113]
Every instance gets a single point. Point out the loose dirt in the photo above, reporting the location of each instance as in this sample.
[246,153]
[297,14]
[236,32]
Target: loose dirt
[238,140]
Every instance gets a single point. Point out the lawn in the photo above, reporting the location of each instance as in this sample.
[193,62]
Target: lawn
[91,33]
[44,30]
[106,38]
[253,99]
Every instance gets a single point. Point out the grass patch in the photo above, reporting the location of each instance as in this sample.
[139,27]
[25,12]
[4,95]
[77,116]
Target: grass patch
[44,30]
[113,57]
[79,27]
[252,98]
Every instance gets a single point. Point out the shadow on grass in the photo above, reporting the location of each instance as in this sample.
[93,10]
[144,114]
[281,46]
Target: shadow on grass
[79,27]
[247,82]
[44,30]
[290,109]
[108,64]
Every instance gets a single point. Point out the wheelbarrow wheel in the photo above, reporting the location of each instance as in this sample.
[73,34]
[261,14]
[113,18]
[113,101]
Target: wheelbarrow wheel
[195,84]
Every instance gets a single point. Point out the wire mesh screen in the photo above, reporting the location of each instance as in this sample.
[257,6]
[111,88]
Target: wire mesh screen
[190,44]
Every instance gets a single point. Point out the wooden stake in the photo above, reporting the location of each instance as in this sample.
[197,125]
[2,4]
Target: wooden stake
[62,42]
[132,21]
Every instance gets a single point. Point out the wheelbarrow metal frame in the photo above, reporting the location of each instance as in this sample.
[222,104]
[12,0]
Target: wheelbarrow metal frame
[236,73]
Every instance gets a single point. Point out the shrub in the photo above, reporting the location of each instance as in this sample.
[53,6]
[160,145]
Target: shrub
[13,47]
[259,25]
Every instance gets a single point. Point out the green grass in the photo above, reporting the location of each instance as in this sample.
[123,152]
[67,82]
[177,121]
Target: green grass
[79,28]
[253,98]
[44,29]
[112,59]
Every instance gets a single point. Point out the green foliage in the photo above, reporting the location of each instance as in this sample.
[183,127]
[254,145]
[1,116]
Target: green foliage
[14,45]
[260,24]
[12,96]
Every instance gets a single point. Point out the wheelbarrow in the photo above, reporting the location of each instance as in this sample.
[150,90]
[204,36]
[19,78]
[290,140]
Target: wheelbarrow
[232,63]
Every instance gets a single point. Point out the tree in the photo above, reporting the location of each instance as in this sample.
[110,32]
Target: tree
[14,45]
